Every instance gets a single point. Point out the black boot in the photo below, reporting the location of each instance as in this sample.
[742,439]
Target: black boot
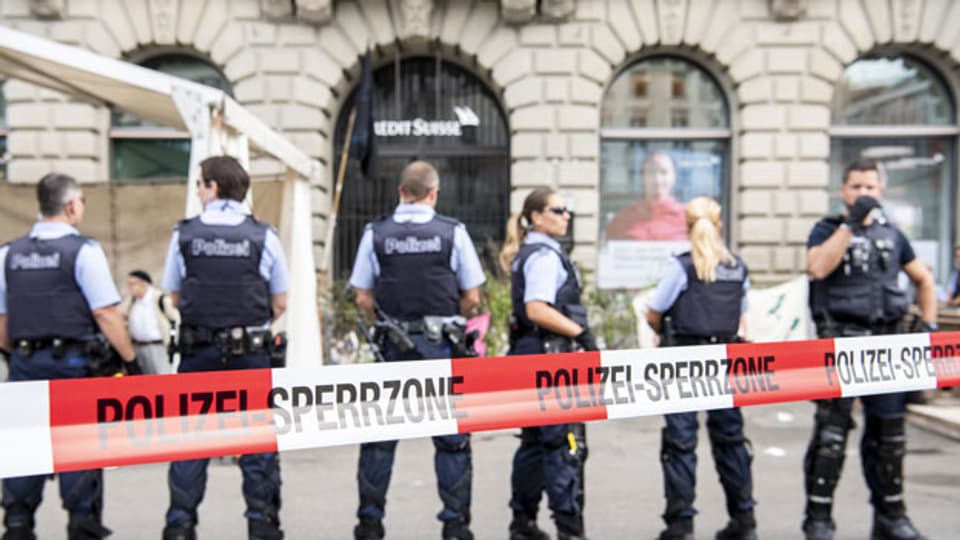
[569,526]
[456,530]
[524,527]
[368,529]
[894,528]
[184,531]
[678,529]
[742,526]
[86,527]
[818,528]
[18,521]
[258,529]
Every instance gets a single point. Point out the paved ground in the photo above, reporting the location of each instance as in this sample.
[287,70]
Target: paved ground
[624,489]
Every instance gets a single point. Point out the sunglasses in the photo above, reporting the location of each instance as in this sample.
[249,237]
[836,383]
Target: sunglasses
[559,210]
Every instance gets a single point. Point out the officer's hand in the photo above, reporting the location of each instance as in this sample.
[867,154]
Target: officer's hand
[586,340]
[133,367]
[860,209]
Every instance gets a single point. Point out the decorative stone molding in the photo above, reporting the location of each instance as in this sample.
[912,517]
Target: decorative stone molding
[315,11]
[414,17]
[47,9]
[518,11]
[163,17]
[276,9]
[557,9]
[788,10]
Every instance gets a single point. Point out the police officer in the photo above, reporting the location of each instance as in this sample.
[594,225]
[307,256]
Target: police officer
[853,261]
[411,265]
[701,299]
[547,317]
[227,274]
[57,302]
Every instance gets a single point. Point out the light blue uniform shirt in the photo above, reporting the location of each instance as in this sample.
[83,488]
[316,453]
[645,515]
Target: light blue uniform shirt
[674,282]
[543,272]
[463,257]
[273,265]
[92,271]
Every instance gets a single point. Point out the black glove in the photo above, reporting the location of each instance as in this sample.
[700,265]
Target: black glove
[586,340]
[860,209]
[133,368]
[924,326]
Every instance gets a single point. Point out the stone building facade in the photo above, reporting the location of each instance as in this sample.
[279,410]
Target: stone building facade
[550,64]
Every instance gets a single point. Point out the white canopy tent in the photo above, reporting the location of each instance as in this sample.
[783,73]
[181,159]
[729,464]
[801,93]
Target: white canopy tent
[217,125]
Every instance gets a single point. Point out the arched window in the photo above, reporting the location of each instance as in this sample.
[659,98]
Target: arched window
[898,111]
[431,109]
[143,151]
[664,139]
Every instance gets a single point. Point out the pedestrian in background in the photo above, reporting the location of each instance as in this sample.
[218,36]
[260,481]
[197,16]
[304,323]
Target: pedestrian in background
[58,304]
[548,317]
[702,299]
[420,269]
[150,317]
[226,272]
[854,261]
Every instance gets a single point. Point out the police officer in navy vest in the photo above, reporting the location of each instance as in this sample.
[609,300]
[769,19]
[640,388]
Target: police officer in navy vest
[227,274]
[548,317]
[414,264]
[57,302]
[853,261]
[702,299]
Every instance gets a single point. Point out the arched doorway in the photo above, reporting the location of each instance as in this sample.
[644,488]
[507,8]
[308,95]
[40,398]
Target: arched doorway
[430,109]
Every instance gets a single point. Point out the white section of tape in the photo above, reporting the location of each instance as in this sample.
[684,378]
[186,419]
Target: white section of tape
[661,380]
[379,402]
[883,364]
[25,417]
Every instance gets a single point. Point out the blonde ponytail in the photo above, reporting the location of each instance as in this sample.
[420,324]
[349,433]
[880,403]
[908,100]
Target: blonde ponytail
[516,233]
[706,244]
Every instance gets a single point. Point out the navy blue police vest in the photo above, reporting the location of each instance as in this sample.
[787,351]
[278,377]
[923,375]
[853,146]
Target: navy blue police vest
[567,300]
[415,276]
[44,299]
[223,286]
[709,309]
[864,288]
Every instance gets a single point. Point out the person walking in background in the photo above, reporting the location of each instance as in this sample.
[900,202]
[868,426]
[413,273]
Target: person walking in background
[853,261]
[227,274]
[548,316]
[150,317]
[420,269]
[702,299]
[58,304]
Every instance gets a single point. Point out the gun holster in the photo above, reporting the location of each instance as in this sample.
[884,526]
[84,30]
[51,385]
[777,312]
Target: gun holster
[102,359]
[461,342]
[555,343]
[278,350]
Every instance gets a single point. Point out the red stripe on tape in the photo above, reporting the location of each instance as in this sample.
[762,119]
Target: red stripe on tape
[129,420]
[759,374]
[945,351]
[532,390]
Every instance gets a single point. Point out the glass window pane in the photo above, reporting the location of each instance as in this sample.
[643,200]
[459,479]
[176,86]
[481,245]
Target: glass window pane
[664,93]
[891,91]
[919,193]
[150,159]
[179,65]
[643,188]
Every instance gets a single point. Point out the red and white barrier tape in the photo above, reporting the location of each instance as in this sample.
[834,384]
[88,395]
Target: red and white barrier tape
[62,425]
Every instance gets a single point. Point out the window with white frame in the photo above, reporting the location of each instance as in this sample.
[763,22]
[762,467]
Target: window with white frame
[142,151]
[898,111]
[664,139]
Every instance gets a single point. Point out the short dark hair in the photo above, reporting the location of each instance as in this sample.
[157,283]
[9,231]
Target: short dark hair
[53,191]
[232,180]
[142,275]
[862,165]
